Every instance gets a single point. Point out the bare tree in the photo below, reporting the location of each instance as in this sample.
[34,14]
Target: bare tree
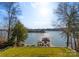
[12,11]
[68,13]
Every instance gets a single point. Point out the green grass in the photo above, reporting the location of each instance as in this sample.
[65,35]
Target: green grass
[36,52]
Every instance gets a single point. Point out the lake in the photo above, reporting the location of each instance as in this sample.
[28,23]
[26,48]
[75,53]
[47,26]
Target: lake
[56,37]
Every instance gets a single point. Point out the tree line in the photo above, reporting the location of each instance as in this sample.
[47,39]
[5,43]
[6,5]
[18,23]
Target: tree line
[16,30]
[68,14]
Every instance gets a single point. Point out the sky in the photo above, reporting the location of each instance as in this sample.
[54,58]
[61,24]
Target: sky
[38,14]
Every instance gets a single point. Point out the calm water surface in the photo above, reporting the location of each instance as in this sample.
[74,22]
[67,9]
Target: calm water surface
[57,39]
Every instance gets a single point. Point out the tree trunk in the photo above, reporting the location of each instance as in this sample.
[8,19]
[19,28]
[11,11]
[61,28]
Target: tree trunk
[67,40]
[78,43]
[75,44]
[9,24]
[71,42]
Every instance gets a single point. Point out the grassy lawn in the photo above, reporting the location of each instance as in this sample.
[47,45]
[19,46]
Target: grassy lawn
[37,52]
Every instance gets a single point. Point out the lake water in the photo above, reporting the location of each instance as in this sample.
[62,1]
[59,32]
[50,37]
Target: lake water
[57,39]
